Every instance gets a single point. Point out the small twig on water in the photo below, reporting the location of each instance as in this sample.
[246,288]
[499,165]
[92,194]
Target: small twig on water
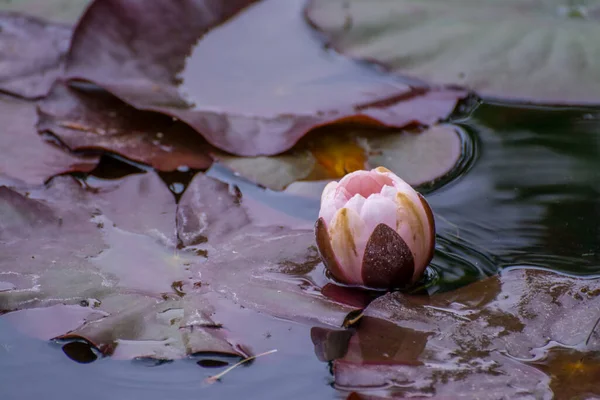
[592,332]
[214,378]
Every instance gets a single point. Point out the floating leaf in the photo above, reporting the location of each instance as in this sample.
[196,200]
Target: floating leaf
[331,152]
[65,11]
[484,340]
[295,86]
[25,155]
[96,120]
[542,51]
[32,54]
[125,268]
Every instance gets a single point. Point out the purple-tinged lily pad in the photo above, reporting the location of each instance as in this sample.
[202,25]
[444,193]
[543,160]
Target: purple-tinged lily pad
[32,53]
[258,101]
[154,279]
[539,51]
[96,120]
[494,338]
[266,267]
[26,157]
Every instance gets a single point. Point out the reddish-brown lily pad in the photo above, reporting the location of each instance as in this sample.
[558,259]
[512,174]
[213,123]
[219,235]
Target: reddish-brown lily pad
[504,336]
[257,98]
[32,54]
[26,156]
[96,120]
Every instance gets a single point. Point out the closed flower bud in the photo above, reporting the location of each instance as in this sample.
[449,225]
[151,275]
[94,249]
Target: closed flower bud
[375,230]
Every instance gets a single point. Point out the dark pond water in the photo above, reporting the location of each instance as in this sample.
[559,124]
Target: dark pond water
[527,194]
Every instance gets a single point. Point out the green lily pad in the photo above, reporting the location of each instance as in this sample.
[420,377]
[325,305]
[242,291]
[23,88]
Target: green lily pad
[66,11]
[540,51]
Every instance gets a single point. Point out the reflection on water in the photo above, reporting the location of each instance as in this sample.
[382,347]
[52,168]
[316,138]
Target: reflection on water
[532,196]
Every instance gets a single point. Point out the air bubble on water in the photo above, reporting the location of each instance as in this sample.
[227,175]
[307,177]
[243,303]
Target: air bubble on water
[177,187]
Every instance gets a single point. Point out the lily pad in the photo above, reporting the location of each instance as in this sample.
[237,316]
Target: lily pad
[136,275]
[331,152]
[64,11]
[26,156]
[295,86]
[32,53]
[93,119]
[485,340]
[542,51]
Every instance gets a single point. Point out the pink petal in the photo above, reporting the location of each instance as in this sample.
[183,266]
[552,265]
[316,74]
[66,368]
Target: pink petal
[413,223]
[356,203]
[364,183]
[328,208]
[347,232]
[392,179]
[378,210]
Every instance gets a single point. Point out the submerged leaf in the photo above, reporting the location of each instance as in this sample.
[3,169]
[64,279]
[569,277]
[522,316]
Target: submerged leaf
[300,89]
[25,155]
[329,153]
[542,51]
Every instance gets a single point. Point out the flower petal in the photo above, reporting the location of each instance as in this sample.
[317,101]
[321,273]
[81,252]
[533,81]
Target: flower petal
[414,224]
[348,241]
[378,209]
[327,254]
[328,208]
[388,262]
[356,203]
[431,233]
[364,183]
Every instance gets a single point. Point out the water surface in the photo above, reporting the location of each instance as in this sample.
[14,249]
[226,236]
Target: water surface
[527,197]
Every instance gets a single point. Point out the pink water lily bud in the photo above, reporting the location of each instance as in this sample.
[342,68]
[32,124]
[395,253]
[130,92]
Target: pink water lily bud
[375,230]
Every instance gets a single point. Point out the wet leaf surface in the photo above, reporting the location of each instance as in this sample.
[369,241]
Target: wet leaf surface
[303,89]
[496,338]
[95,120]
[26,156]
[502,49]
[32,53]
[110,269]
